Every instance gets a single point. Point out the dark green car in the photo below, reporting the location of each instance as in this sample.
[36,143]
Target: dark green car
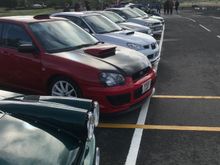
[48,130]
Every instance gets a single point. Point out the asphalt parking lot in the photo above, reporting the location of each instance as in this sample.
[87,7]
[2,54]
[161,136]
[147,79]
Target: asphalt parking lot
[180,123]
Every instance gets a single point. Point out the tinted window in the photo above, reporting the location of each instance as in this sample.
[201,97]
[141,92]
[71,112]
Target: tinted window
[121,14]
[14,35]
[58,36]
[114,17]
[139,11]
[79,22]
[101,24]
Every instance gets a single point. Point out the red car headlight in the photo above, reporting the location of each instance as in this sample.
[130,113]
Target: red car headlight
[112,79]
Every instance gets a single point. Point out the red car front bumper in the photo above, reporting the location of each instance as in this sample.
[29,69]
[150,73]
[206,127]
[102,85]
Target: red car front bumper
[122,98]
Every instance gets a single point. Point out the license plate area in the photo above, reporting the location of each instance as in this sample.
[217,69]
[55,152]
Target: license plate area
[146,86]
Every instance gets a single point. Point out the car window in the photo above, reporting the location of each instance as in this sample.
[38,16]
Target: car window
[79,22]
[61,35]
[101,24]
[139,11]
[14,35]
[121,14]
[114,17]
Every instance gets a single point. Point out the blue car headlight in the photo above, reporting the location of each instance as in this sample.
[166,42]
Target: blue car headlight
[148,24]
[149,31]
[134,46]
[112,79]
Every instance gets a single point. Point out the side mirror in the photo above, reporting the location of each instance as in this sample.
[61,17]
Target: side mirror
[27,48]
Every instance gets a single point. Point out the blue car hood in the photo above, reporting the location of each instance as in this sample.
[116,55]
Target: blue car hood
[126,36]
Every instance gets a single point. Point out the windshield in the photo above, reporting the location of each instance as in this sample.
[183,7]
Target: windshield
[130,14]
[114,17]
[101,24]
[60,35]
[139,11]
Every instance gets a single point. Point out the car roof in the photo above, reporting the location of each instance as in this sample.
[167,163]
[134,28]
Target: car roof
[101,11]
[28,19]
[78,14]
[121,8]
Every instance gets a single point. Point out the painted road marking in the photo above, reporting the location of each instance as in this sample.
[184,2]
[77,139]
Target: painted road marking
[186,97]
[170,40]
[160,48]
[218,36]
[189,19]
[137,136]
[215,17]
[205,28]
[160,127]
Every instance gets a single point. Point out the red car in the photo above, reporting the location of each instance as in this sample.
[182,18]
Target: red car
[54,56]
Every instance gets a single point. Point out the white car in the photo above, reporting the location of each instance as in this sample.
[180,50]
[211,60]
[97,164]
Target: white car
[124,24]
[37,6]
[107,31]
[131,16]
[145,15]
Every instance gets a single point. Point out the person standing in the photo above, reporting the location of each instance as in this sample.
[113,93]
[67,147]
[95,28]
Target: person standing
[77,7]
[66,7]
[165,7]
[170,6]
[87,5]
[177,6]
[158,6]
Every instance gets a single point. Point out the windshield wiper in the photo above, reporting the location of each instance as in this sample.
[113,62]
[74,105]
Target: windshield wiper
[83,45]
[69,48]
[99,42]
[119,21]
[113,31]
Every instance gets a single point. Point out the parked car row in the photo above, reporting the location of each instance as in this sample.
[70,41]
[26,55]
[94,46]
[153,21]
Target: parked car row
[86,55]
[107,31]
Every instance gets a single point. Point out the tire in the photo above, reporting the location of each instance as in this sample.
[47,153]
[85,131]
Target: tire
[64,87]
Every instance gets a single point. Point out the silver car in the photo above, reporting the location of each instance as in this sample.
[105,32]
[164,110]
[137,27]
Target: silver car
[146,16]
[124,24]
[131,16]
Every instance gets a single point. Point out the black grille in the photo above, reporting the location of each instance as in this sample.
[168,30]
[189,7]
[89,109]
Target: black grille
[146,46]
[150,56]
[119,99]
[153,46]
[138,93]
[158,23]
[138,75]
[157,28]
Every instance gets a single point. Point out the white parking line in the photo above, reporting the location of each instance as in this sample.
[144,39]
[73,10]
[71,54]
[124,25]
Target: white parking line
[189,19]
[161,41]
[218,36]
[205,28]
[137,136]
[215,17]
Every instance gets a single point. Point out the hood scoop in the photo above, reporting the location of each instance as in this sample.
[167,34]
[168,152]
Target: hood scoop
[101,51]
[130,33]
